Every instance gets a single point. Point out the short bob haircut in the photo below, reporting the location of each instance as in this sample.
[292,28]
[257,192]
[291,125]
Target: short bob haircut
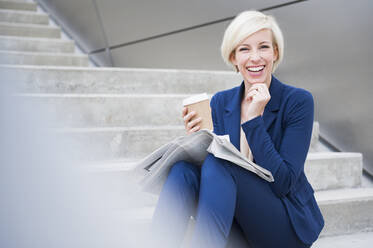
[245,24]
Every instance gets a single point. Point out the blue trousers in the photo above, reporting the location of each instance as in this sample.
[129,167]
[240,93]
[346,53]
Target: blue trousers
[232,207]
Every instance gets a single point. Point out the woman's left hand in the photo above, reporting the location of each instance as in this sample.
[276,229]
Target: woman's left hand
[255,101]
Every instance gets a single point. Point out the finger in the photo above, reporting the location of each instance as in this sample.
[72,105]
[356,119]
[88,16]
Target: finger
[264,88]
[251,94]
[189,116]
[184,112]
[258,87]
[261,89]
[253,90]
[194,129]
[191,124]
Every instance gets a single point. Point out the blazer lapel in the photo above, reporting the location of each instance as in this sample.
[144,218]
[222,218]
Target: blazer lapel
[232,116]
[268,118]
[272,107]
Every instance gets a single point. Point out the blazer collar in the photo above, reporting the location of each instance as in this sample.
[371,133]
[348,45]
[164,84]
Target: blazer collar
[232,115]
[275,90]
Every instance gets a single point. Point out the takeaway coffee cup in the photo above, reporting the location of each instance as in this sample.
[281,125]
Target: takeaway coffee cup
[201,105]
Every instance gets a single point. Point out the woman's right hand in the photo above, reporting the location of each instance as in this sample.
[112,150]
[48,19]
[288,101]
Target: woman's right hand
[191,126]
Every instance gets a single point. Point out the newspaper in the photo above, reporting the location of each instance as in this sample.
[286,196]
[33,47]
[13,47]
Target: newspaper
[192,148]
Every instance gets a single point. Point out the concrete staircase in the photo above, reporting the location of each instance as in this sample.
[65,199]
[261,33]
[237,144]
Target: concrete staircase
[27,38]
[120,115]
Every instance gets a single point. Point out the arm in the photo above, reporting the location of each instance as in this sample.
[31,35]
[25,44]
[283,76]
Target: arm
[213,105]
[286,164]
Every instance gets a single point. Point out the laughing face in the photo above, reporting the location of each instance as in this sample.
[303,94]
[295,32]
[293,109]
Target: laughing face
[255,56]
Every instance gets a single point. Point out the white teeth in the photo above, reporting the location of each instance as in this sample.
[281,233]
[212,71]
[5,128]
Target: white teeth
[259,68]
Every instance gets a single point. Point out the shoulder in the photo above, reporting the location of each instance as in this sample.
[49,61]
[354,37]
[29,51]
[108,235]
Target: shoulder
[222,97]
[294,96]
[297,103]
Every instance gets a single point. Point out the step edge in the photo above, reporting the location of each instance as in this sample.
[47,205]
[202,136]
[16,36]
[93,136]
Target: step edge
[344,195]
[39,39]
[26,25]
[25,12]
[120,69]
[45,54]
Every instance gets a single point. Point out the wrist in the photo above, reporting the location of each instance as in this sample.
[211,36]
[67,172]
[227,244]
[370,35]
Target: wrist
[252,124]
[249,117]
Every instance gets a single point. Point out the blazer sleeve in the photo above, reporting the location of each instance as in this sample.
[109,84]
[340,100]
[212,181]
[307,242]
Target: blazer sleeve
[287,163]
[214,116]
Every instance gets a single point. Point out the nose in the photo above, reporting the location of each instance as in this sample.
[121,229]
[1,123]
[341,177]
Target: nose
[255,56]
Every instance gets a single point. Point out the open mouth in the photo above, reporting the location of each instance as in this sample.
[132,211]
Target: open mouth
[255,68]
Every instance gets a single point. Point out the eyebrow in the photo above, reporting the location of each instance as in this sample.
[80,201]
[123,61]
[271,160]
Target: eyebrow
[262,42]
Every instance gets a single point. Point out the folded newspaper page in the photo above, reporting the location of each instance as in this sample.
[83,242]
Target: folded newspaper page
[192,148]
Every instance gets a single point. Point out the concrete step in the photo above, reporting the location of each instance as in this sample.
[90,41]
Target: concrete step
[325,171]
[29,30]
[18,5]
[334,170]
[120,173]
[11,43]
[16,16]
[355,240]
[346,210]
[31,58]
[123,142]
[119,80]
[100,110]
[110,143]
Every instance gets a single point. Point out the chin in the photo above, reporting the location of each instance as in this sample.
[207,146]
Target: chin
[261,80]
[256,81]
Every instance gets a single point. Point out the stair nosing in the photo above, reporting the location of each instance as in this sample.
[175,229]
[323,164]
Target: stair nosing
[43,54]
[325,155]
[26,12]
[116,128]
[121,69]
[27,38]
[100,95]
[343,195]
[32,4]
[28,25]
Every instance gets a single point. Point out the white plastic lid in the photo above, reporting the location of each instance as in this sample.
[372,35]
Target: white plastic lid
[195,98]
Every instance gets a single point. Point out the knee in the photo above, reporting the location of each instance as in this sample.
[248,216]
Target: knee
[185,174]
[212,167]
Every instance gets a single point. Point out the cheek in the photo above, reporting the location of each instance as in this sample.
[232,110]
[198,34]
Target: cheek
[241,58]
[270,60]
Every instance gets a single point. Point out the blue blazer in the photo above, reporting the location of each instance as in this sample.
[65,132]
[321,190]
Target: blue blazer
[279,141]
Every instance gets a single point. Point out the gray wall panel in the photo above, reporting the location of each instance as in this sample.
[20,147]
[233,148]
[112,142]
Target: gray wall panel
[126,21]
[194,49]
[80,19]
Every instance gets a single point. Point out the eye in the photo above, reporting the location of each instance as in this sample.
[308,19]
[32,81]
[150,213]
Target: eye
[243,49]
[264,46]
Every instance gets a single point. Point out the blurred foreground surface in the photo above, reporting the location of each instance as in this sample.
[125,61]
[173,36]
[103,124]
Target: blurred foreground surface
[49,198]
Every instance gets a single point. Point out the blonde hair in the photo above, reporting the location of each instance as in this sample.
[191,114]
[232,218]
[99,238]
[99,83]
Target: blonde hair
[245,24]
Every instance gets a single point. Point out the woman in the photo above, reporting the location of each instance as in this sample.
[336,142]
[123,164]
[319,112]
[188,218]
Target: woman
[269,122]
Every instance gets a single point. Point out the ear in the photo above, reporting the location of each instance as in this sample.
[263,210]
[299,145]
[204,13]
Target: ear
[232,59]
[275,53]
